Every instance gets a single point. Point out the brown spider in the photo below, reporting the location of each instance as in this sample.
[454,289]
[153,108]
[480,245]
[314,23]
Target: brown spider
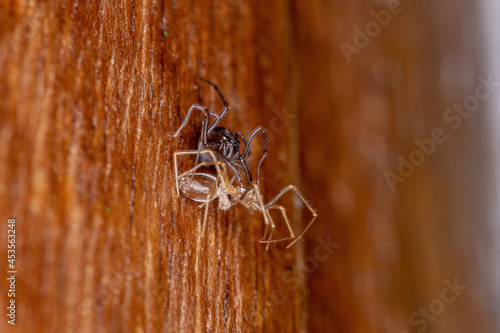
[219,147]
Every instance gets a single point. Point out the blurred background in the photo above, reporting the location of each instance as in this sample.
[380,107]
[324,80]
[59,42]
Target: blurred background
[405,170]
[383,113]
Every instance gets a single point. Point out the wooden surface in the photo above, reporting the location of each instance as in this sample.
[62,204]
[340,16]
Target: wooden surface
[91,93]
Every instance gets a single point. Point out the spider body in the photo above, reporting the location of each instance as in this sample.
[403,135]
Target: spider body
[225,142]
[226,145]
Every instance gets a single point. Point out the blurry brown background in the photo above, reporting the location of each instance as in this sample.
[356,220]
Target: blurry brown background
[91,93]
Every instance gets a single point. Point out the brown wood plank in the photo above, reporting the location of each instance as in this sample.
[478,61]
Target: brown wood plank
[91,94]
[396,248]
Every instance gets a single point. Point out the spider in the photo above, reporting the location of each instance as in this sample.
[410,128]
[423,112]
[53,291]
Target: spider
[219,147]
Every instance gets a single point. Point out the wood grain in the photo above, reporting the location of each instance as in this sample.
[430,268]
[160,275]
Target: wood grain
[91,94]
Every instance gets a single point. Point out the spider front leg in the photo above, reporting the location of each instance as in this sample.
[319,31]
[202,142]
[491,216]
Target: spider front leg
[247,151]
[205,216]
[304,200]
[179,153]
[232,166]
[223,99]
[242,138]
[198,107]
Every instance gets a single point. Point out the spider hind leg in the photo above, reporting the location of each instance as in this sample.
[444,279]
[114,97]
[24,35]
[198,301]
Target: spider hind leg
[272,205]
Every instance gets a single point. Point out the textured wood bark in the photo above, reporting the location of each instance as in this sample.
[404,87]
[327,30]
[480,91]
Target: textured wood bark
[91,94]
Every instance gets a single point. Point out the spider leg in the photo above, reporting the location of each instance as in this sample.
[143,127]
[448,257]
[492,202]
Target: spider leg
[242,137]
[232,180]
[248,189]
[191,109]
[230,165]
[238,164]
[176,172]
[217,121]
[304,200]
[224,110]
[216,88]
[203,141]
[268,221]
[176,168]
[244,166]
[202,164]
[241,164]
[205,217]
[269,239]
[287,221]
[247,151]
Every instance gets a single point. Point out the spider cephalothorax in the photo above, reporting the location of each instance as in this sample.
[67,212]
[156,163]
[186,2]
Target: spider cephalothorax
[225,142]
